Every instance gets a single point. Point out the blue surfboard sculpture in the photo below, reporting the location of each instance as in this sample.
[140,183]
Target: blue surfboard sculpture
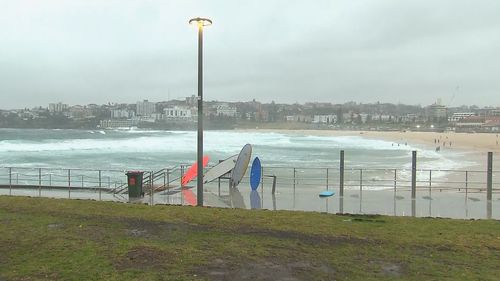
[326,193]
[255,173]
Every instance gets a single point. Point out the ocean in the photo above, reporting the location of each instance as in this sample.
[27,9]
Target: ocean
[153,150]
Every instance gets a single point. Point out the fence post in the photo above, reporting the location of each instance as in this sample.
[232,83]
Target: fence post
[489,177]
[100,185]
[294,180]
[413,174]
[262,182]
[341,176]
[168,178]
[69,183]
[395,180]
[360,179]
[430,179]
[182,171]
[152,190]
[466,182]
[39,182]
[10,180]
[326,178]
[165,178]
[274,184]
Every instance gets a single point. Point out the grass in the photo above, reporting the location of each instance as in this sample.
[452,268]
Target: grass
[56,239]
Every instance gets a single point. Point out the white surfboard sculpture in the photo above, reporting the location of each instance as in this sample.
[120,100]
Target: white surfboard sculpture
[220,169]
[241,165]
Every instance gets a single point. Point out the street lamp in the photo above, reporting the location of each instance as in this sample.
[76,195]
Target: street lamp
[200,22]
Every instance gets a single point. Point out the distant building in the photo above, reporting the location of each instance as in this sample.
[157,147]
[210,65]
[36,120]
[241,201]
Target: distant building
[409,118]
[382,118]
[57,107]
[79,112]
[471,122]
[325,119]
[122,114]
[460,115]
[178,113]
[495,112]
[492,124]
[225,110]
[436,111]
[145,108]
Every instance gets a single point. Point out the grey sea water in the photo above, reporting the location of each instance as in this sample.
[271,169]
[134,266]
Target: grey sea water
[152,150]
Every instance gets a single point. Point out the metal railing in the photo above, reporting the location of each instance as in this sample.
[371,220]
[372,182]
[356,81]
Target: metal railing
[281,178]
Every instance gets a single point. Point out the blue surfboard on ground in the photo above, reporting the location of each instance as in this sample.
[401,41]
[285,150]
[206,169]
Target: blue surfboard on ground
[326,193]
[255,174]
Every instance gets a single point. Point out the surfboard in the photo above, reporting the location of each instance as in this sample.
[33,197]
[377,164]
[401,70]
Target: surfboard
[326,193]
[255,174]
[220,169]
[240,168]
[192,172]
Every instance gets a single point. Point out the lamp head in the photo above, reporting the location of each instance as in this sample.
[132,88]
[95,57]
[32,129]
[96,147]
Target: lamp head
[201,22]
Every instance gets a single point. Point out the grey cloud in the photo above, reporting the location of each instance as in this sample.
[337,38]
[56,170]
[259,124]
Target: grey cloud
[388,50]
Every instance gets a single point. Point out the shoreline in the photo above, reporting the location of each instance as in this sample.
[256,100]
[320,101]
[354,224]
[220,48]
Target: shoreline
[480,142]
[474,147]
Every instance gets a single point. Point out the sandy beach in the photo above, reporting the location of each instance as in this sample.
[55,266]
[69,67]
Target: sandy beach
[476,145]
[479,142]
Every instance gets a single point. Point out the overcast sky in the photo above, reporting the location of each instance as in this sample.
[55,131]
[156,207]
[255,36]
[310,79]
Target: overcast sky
[100,51]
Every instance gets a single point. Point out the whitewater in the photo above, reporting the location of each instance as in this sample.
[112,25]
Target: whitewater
[152,150]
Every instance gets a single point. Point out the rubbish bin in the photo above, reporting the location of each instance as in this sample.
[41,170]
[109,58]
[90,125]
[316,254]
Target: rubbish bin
[134,181]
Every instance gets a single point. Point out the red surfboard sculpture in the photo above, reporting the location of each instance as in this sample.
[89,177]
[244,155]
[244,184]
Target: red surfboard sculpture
[192,172]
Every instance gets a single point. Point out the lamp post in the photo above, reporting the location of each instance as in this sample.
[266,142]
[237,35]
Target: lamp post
[200,22]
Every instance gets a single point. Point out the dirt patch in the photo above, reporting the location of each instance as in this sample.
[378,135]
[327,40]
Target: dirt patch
[389,269]
[267,270]
[393,270]
[303,237]
[166,231]
[142,258]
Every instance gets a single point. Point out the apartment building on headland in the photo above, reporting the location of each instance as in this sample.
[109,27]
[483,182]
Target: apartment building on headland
[145,108]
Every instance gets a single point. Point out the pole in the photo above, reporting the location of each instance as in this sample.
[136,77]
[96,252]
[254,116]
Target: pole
[200,117]
[69,183]
[39,182]
[413,174]
[100,185]
[151,186]
[341,177]
[489,177]
[294,179]
[466,183]
[10,180]
[395,180]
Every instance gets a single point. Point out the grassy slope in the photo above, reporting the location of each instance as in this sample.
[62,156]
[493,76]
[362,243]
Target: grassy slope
[83,240]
